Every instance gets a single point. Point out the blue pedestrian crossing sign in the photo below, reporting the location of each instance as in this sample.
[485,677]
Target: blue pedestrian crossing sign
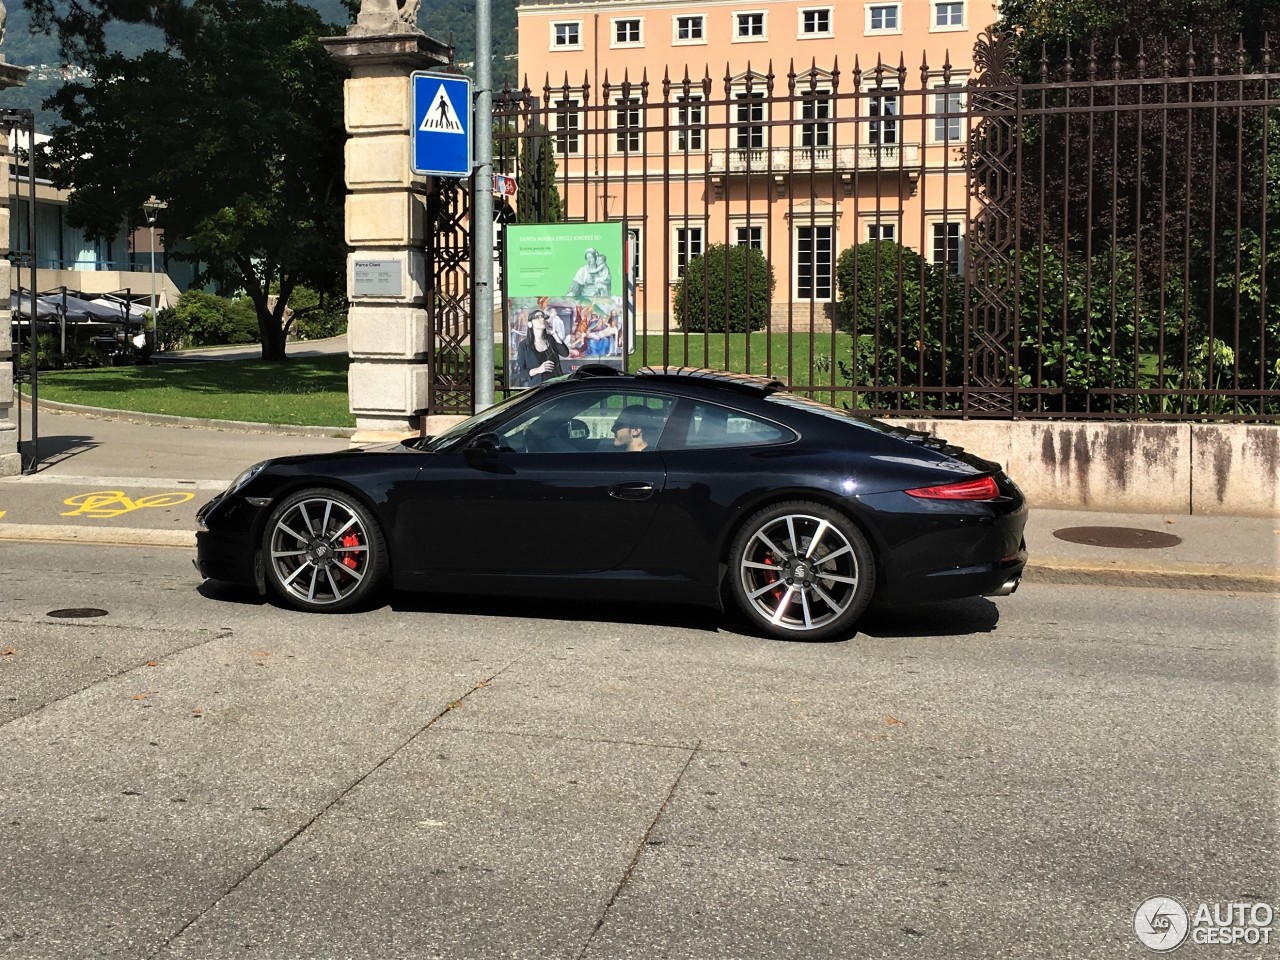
[441,124]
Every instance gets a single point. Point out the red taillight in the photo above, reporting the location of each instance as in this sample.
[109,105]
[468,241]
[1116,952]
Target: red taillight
[983,488]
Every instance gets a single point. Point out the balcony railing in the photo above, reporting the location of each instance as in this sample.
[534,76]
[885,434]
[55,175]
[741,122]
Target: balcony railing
[867,157]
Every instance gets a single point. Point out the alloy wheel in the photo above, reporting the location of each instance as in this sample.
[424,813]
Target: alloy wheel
[319,551]
[799,572]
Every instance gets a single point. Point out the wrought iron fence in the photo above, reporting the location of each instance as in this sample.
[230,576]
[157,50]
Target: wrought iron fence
[946,240]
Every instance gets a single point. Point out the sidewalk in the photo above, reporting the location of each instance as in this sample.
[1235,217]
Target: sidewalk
[108,480]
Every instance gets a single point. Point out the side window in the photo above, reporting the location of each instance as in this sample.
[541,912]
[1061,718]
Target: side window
[711,425]
[596,421]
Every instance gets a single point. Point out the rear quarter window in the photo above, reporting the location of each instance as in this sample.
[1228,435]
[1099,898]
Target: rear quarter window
[711,425]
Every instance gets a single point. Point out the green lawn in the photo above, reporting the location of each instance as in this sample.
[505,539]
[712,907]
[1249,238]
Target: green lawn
[313,391]
[308,392]
[776,354]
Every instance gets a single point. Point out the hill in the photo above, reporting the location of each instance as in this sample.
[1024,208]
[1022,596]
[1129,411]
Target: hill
[443,19]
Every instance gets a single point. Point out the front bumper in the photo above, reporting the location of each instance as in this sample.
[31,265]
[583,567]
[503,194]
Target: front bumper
[226,544]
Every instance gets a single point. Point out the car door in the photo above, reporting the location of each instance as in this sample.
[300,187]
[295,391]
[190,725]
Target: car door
[715,456]
[555,495]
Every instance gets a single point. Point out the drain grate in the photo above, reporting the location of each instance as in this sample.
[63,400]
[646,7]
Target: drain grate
[76,613]
[1123,538]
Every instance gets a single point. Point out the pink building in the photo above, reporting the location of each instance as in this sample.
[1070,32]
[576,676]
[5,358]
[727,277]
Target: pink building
[797,127]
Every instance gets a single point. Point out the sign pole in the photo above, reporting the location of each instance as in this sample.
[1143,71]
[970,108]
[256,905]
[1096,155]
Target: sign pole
[482,214]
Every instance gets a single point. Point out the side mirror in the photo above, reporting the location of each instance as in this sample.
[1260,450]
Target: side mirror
[483,449]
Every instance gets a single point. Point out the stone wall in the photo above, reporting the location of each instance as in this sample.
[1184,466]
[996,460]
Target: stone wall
[1176,468]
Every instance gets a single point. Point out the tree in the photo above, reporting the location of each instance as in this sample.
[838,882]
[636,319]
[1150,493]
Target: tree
[238,126]
[537,196]
[729,288]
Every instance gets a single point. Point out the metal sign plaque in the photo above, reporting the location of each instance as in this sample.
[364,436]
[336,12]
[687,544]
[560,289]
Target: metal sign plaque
[378,278]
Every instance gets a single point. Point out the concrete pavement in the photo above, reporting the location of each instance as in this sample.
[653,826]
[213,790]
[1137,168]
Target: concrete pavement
[128,479]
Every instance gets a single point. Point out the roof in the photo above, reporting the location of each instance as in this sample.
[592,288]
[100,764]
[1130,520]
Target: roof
[743,382]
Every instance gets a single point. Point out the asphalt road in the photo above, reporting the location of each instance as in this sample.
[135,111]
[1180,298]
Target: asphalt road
[198,775]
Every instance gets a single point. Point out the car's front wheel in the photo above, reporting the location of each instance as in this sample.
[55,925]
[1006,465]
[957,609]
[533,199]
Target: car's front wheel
[802,571]
[324,552]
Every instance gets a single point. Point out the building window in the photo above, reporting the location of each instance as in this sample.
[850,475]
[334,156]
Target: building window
[948,15]
[689,122]
[688,245]
[815,22]
[567,35]
[815,110]
[749,236]
[749,26]
[883,129]
[690,29]
[948,248]
[884,18]
[814,262]
[626,33]
[568,122]
[749,121]
[948,106]
[882,231]
[626,129]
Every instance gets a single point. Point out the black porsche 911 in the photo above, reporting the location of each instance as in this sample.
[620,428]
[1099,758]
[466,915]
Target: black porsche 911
[670,484]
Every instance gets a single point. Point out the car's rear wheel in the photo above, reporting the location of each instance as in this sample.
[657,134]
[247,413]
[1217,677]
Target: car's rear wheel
[802,571]
[324,552]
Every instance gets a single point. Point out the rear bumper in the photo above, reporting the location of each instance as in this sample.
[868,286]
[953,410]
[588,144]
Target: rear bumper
[979,580]
[950,550]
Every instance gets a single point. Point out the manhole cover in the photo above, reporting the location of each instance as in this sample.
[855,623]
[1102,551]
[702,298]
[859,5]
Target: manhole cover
[1125,538]
[76,613]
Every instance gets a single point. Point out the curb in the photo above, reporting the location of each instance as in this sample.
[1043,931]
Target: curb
[105,536]
[224,426]
[1183,576]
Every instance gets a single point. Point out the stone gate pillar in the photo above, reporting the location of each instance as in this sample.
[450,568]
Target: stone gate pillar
[386,221]
[10,459]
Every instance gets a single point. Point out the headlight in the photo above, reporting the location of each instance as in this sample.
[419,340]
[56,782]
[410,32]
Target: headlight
[246,476]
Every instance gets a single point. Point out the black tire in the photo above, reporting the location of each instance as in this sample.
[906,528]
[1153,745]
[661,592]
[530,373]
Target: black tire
[825,572]
[323,551]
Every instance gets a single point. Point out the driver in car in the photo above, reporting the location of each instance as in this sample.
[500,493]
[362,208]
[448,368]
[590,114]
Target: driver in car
[635,427]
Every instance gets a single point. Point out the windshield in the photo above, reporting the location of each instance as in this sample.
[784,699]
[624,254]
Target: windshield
[444,440]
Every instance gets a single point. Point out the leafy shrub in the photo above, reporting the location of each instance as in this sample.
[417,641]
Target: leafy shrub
[202,319]
[728,287]
[907,319]
[316,316]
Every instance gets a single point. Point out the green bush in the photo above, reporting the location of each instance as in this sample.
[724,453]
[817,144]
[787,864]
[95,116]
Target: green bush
[894,303]
[317,317]
[879,283]
[202,319]
[728,287]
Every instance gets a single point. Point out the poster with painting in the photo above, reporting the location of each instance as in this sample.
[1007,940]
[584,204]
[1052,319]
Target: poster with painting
[565,299]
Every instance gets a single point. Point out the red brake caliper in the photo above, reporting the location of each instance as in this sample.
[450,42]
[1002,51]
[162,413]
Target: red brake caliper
[768,560]
[350,540]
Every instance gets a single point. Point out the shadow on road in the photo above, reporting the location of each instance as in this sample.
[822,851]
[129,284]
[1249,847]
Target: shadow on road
[943,619]
[55,450]
[950,618]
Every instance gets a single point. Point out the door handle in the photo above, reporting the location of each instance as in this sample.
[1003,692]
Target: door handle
[633,490]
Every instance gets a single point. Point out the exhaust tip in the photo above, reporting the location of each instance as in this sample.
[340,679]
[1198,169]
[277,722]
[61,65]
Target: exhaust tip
[1007,588]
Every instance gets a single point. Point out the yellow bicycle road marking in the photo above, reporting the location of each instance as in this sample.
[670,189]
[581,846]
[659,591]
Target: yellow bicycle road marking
[103,504]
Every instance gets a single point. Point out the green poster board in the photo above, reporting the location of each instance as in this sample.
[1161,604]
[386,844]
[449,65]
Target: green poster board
[571,279]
